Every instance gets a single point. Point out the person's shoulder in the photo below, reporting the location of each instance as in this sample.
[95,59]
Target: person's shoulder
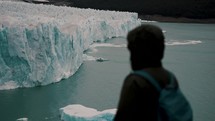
[137,80]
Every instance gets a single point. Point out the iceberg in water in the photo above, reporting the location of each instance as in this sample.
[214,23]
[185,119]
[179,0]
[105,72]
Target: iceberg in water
[42,44]
[22,119]
[81,113]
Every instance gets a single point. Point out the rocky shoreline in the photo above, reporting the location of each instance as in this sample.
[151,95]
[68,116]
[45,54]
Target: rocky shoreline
[161,18]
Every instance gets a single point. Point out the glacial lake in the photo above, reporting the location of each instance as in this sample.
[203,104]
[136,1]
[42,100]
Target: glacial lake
[190,54]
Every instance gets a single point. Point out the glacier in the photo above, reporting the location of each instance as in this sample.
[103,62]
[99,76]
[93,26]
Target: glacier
[43,44]
[77,112]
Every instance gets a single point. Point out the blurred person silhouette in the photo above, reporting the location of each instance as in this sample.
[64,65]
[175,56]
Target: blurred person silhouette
[150,92]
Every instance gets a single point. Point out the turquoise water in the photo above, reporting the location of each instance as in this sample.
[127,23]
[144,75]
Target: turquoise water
[98,84]
[194,66]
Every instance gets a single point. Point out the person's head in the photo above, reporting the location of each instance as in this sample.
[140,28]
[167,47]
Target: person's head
[146,46]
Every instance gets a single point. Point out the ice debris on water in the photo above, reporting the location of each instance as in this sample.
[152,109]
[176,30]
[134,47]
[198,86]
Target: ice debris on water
[77,112]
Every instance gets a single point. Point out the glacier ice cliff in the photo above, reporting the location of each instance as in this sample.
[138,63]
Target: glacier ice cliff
[43,44]
[78,112]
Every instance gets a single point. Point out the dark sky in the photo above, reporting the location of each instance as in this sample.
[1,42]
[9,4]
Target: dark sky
[176,8]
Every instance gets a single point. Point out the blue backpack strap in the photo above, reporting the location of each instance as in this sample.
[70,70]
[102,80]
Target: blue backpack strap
[172,82]
[149,78]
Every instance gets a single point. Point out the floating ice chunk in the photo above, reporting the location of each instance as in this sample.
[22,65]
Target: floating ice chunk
[22,119]
[164,31]
[107,45]
[183,42]
[93,47]
[81,113]
[92,58]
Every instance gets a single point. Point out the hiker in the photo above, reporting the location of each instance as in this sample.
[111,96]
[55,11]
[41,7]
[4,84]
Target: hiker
[142,89]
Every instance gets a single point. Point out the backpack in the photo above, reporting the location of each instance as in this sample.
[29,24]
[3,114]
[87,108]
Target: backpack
[173,106]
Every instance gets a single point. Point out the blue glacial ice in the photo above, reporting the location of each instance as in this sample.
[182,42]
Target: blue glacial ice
[78,112]
[43,44]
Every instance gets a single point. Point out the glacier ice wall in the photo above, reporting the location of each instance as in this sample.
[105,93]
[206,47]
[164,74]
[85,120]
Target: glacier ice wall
[43,44]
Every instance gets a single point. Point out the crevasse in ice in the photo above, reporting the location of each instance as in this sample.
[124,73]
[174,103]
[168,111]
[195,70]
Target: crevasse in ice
[43,44]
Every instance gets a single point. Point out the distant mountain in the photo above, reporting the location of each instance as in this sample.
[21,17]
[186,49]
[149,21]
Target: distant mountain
[55,2]
[37,1]
[199,9]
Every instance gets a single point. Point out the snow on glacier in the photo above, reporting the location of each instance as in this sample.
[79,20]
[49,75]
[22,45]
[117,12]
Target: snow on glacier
[78,112]
[43,44]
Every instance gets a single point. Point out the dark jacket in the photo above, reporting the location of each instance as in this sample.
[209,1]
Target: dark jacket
[139,99]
